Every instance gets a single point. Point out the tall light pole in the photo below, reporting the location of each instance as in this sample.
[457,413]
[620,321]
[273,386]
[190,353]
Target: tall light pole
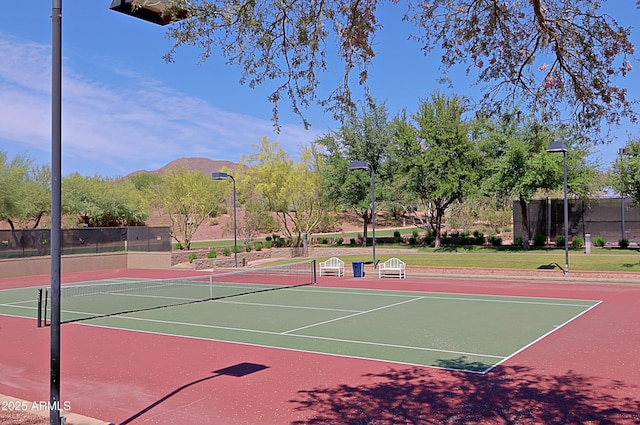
[153,14]
[555,147]
[224,176]
[622,152]
[364,165]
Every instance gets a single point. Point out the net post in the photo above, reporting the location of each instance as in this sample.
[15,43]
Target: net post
[39,307]
[315,280]
[210,286]
[46,301]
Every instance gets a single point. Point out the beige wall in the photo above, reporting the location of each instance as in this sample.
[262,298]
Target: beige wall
[77,263]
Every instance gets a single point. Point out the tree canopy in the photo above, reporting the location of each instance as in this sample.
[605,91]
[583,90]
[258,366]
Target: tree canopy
[559,59]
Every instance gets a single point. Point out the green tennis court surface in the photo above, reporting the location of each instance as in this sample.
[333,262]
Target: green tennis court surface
[457,331]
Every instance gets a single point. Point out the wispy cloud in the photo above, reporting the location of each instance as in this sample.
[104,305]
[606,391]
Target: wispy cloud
[117,126]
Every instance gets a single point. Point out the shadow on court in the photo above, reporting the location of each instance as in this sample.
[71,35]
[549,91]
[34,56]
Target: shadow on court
[507,395]
[239,370]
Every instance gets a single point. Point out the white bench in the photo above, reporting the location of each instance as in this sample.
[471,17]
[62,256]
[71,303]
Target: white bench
[392,267]
[333,266]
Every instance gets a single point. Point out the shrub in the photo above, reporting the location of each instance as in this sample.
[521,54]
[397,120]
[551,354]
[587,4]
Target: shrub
[560,241]
[429,237]
[495,240]
[577,242]
[539,240]
[268,242]
[506,229]
[324,241]
[212,254]
[518,241]
[339,241]
[193,256]
[599,241]
[352,242]
[623,243]
[397,238]
[413,240]
[258,246]
[268,238]
[226,251]
[415,233]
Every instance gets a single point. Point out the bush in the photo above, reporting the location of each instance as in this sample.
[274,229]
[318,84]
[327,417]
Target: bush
[268,238]
[429,237]
[324,241]
[495,240]
[415,233]
[560,241]
[599,241]
[247,248]
[623,243]
[193,256]
[577,242]
[339,241]
[268,242]
[518,241]
[258,246]
[539,240]
[413,240]
[226,251]
[212,254]
[352,242]
[397,237]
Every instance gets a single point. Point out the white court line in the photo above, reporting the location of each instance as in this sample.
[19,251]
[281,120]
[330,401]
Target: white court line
[378,344]
[351,315]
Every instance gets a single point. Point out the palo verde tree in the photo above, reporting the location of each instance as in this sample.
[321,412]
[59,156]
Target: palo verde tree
[25,197]
[558,59]
[519,167]
[102,202]
[188,198]
[624,173]
[437,160]
[363,136]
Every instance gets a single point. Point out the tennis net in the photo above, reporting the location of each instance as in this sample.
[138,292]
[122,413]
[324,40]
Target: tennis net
[88,301]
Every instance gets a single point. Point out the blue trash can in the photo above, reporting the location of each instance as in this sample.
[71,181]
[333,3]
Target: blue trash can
[358,268]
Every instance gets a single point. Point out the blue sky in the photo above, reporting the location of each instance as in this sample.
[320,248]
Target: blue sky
[126,109]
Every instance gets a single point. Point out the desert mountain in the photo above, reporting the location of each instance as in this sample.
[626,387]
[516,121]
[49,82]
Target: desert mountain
[205,165]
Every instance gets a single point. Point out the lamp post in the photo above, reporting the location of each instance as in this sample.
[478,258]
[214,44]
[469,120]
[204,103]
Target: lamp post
[364,165]
[224,176]
[621,152]
[153,14]
[555,147]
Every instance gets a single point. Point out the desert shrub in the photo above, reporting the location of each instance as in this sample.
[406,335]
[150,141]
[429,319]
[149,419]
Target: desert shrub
[495,240]
[268,243]
[397,238]
[226,251]
[539,240]
[599,241]
[429,237]
[193,256]
[339,241]
[247,248]
[577,242]
[623,243]
[258,246]
[212,254]
[268,238]
[415,233]
[560,241]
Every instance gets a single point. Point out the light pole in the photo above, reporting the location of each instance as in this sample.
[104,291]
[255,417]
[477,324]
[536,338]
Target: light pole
[224,176]
[555,147]
[622,152]
[153,14]
[364,165]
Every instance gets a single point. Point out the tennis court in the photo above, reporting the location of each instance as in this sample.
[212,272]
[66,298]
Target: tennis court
[466,332]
